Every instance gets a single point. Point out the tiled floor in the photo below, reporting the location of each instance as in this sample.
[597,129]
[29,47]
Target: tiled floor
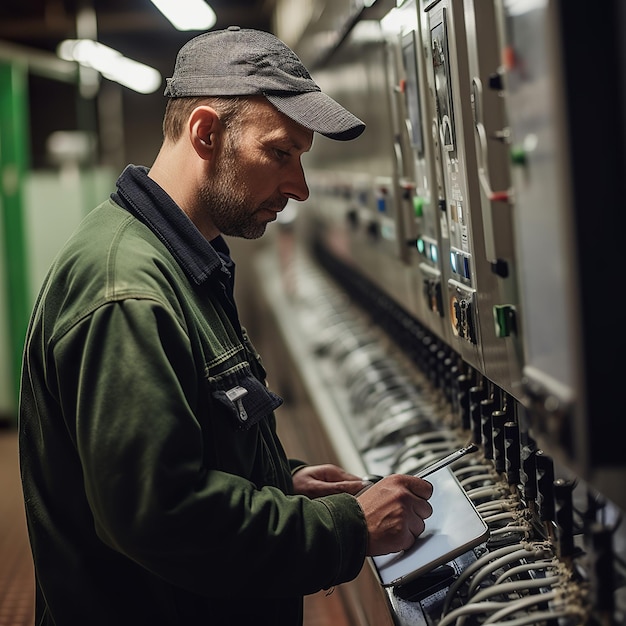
[16,570]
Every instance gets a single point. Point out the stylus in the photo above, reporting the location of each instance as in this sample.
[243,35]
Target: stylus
[446,460]
[370,479]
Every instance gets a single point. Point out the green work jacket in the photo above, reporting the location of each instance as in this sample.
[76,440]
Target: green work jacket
[156,488]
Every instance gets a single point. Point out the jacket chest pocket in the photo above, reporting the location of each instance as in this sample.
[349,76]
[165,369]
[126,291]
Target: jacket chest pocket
[244,399]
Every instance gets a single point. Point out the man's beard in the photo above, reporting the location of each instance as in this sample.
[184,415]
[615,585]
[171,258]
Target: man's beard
[227,198]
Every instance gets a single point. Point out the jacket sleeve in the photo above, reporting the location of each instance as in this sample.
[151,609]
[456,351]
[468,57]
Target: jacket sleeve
[128,385]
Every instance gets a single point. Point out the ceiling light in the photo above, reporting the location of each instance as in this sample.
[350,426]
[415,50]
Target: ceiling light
[111,64]
[187,14]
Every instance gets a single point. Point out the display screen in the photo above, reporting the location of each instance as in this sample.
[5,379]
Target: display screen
[411,91]
[439,43]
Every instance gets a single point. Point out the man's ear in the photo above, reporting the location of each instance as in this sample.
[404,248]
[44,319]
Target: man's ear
[204,131]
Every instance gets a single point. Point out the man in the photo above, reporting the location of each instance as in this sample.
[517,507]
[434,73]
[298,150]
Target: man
[156,489]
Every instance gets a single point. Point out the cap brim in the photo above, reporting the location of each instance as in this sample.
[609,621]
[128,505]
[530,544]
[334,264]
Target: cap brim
[320,113]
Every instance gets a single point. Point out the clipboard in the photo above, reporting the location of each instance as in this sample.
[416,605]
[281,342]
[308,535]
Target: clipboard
[454,528]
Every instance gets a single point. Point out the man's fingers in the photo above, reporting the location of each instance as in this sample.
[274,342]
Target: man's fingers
[422,508]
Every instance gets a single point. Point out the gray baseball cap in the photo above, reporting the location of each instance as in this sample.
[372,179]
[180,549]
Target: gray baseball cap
[244,62]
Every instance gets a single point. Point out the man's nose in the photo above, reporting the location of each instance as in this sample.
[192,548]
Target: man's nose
[294,185]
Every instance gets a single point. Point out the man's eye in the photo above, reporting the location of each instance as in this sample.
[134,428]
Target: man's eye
[281,154]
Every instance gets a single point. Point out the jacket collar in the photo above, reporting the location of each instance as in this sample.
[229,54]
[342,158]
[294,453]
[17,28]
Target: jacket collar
[151,205]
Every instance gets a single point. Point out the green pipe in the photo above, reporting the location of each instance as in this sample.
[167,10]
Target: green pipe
[14,157]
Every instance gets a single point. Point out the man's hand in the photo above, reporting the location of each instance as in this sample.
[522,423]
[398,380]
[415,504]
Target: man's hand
[323,480]
[395,509]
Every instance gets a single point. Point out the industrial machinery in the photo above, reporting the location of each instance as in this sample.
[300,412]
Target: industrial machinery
[453,278]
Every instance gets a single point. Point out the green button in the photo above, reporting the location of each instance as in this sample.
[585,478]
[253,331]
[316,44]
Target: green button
[503,315]
[518,155]
[418,206]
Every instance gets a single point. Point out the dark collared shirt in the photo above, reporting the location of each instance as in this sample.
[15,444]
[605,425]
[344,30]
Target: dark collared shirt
[202,261]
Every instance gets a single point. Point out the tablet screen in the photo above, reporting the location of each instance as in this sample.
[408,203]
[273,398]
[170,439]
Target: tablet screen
[454,528]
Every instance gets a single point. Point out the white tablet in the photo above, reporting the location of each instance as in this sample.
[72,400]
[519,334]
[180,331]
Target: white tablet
[454,528]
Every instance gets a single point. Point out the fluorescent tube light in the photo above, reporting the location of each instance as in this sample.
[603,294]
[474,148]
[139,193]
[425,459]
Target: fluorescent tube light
[187,14]
[111,64]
